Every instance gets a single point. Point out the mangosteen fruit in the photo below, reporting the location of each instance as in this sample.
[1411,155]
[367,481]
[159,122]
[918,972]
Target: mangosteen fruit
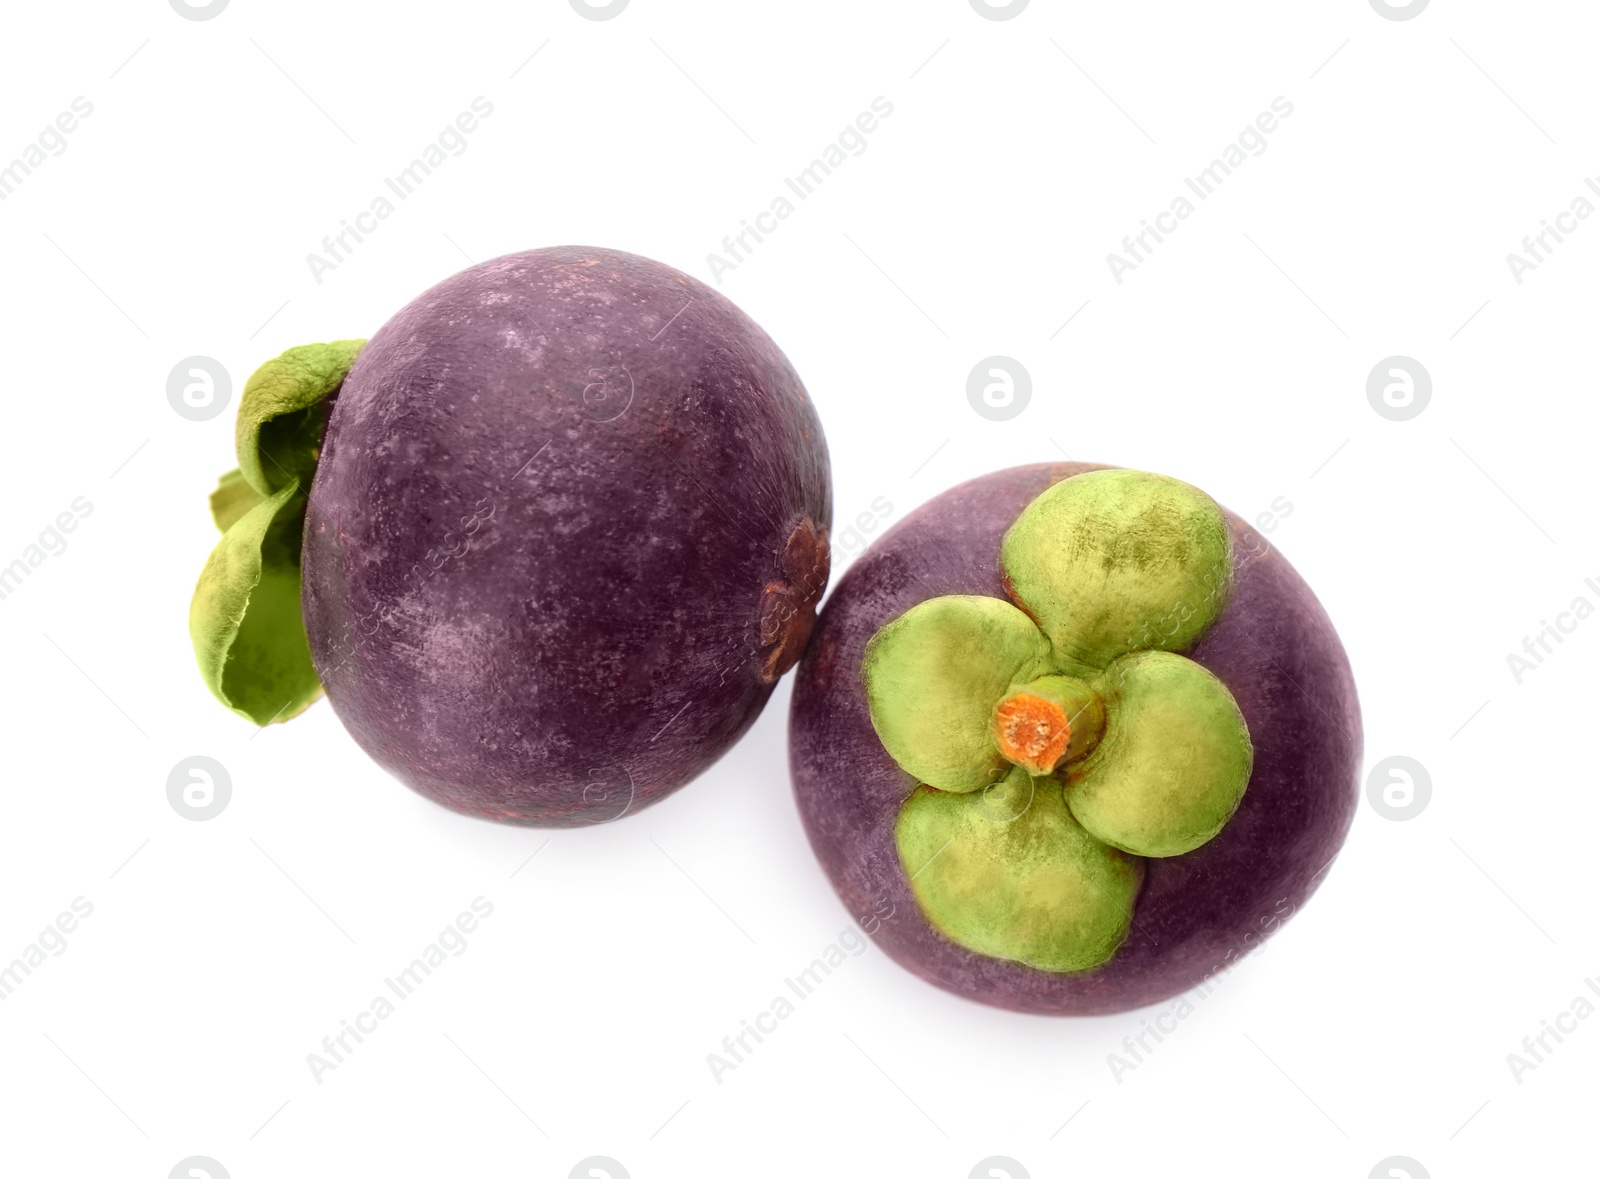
[1083,733]
[546,541]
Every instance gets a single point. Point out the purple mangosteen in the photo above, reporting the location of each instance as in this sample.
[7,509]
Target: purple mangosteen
[1082,732]
[565,524]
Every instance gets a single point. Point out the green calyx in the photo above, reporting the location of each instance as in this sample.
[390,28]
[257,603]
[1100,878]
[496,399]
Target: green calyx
[1072,712]
[245,615]
[934,675]
[1115,561]
[284,410]
[1174,761]
[1010,873]
[244,618]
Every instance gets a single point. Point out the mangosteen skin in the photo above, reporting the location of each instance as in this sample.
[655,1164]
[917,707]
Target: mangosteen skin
[568,526]
[1198,913]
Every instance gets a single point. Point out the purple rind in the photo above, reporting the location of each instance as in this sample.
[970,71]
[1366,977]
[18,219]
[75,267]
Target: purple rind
[541,546]
[1274,648]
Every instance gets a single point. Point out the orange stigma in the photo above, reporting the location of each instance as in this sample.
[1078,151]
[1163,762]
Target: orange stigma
[1032,732]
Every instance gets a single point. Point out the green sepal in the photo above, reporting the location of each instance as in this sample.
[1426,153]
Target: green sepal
[232,499]
[1172,766]
[933,676]
[244,618]
[1114,561]
[1009,873]
[283,412]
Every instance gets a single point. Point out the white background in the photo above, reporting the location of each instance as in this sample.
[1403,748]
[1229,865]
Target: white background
[177,222]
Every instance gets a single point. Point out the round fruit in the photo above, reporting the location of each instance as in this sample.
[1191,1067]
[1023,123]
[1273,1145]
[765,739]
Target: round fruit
[1083,733]
[566,526]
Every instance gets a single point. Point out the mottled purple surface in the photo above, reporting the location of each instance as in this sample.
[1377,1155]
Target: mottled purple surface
[1274,648]
[555,493]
